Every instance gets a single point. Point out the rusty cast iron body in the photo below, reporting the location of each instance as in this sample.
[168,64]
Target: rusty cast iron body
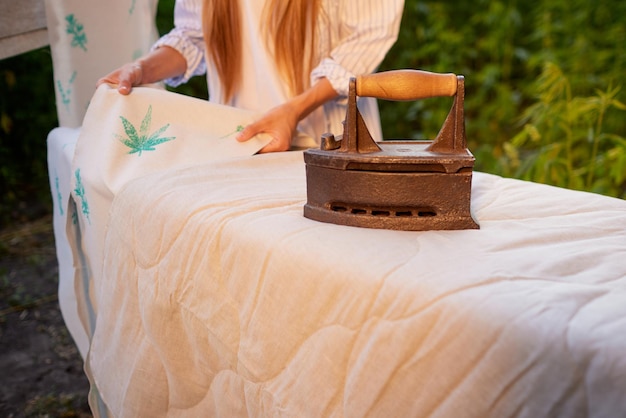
[403,185]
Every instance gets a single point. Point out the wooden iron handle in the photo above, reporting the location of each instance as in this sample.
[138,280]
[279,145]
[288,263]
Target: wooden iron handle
[402,85]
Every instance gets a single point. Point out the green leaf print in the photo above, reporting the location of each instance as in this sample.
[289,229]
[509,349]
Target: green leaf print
[66,93]
[141,141]
[239,129]
[59,195]
[76,29]
[80,192]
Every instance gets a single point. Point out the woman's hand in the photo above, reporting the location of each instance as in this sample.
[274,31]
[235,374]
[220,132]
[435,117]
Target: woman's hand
[281,122]
[162,63]
[125,77]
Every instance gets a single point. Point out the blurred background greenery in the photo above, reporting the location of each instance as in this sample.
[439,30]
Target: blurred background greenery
[544,94]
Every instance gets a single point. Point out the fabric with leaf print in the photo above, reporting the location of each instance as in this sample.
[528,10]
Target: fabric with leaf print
[79,192]
[61,143]
[122,139]
[127,137]
[86,39]
[77,32]
[141,141]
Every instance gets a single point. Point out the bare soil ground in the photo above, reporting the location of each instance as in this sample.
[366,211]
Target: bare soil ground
[41,371]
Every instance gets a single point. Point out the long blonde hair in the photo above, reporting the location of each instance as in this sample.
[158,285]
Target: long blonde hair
[290,35]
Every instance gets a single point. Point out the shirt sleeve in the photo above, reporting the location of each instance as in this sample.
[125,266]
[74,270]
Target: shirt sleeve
[187,38]
[370,29]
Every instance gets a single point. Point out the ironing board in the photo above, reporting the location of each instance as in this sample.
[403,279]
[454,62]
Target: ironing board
[212,295]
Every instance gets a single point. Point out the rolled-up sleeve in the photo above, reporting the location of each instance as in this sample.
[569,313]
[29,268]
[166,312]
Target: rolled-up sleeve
[370,29]
[187,38]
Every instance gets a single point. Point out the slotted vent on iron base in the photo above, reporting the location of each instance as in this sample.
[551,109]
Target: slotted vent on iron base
[381,211]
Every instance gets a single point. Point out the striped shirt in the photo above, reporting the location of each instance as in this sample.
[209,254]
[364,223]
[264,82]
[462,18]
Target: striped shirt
[353,38]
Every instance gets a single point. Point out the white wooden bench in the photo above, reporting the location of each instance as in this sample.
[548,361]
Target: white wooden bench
[23,27]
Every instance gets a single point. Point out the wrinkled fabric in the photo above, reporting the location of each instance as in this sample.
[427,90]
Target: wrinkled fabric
[87,40]
[126,137]
[123,138]
[220,299]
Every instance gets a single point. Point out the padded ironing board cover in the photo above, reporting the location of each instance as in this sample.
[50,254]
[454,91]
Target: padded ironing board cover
[218,298]
[236,305]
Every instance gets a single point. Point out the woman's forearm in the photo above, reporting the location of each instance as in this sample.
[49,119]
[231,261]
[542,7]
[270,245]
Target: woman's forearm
[318,94]
[160,64]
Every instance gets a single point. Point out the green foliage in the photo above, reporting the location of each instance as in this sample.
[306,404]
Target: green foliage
[504,48]
[564,141]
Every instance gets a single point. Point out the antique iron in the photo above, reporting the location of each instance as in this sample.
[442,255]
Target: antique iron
[406,184]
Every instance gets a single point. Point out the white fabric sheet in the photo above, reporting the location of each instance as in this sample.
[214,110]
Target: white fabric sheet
[61,143]
[123,138]
[126,137]
[218,298]
[87,40]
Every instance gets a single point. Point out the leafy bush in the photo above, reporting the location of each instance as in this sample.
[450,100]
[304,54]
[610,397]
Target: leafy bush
[510,53]
[564,142]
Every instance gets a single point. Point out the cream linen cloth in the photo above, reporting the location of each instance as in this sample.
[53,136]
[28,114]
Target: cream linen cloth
[126,137]
[87,40]
[219,299]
